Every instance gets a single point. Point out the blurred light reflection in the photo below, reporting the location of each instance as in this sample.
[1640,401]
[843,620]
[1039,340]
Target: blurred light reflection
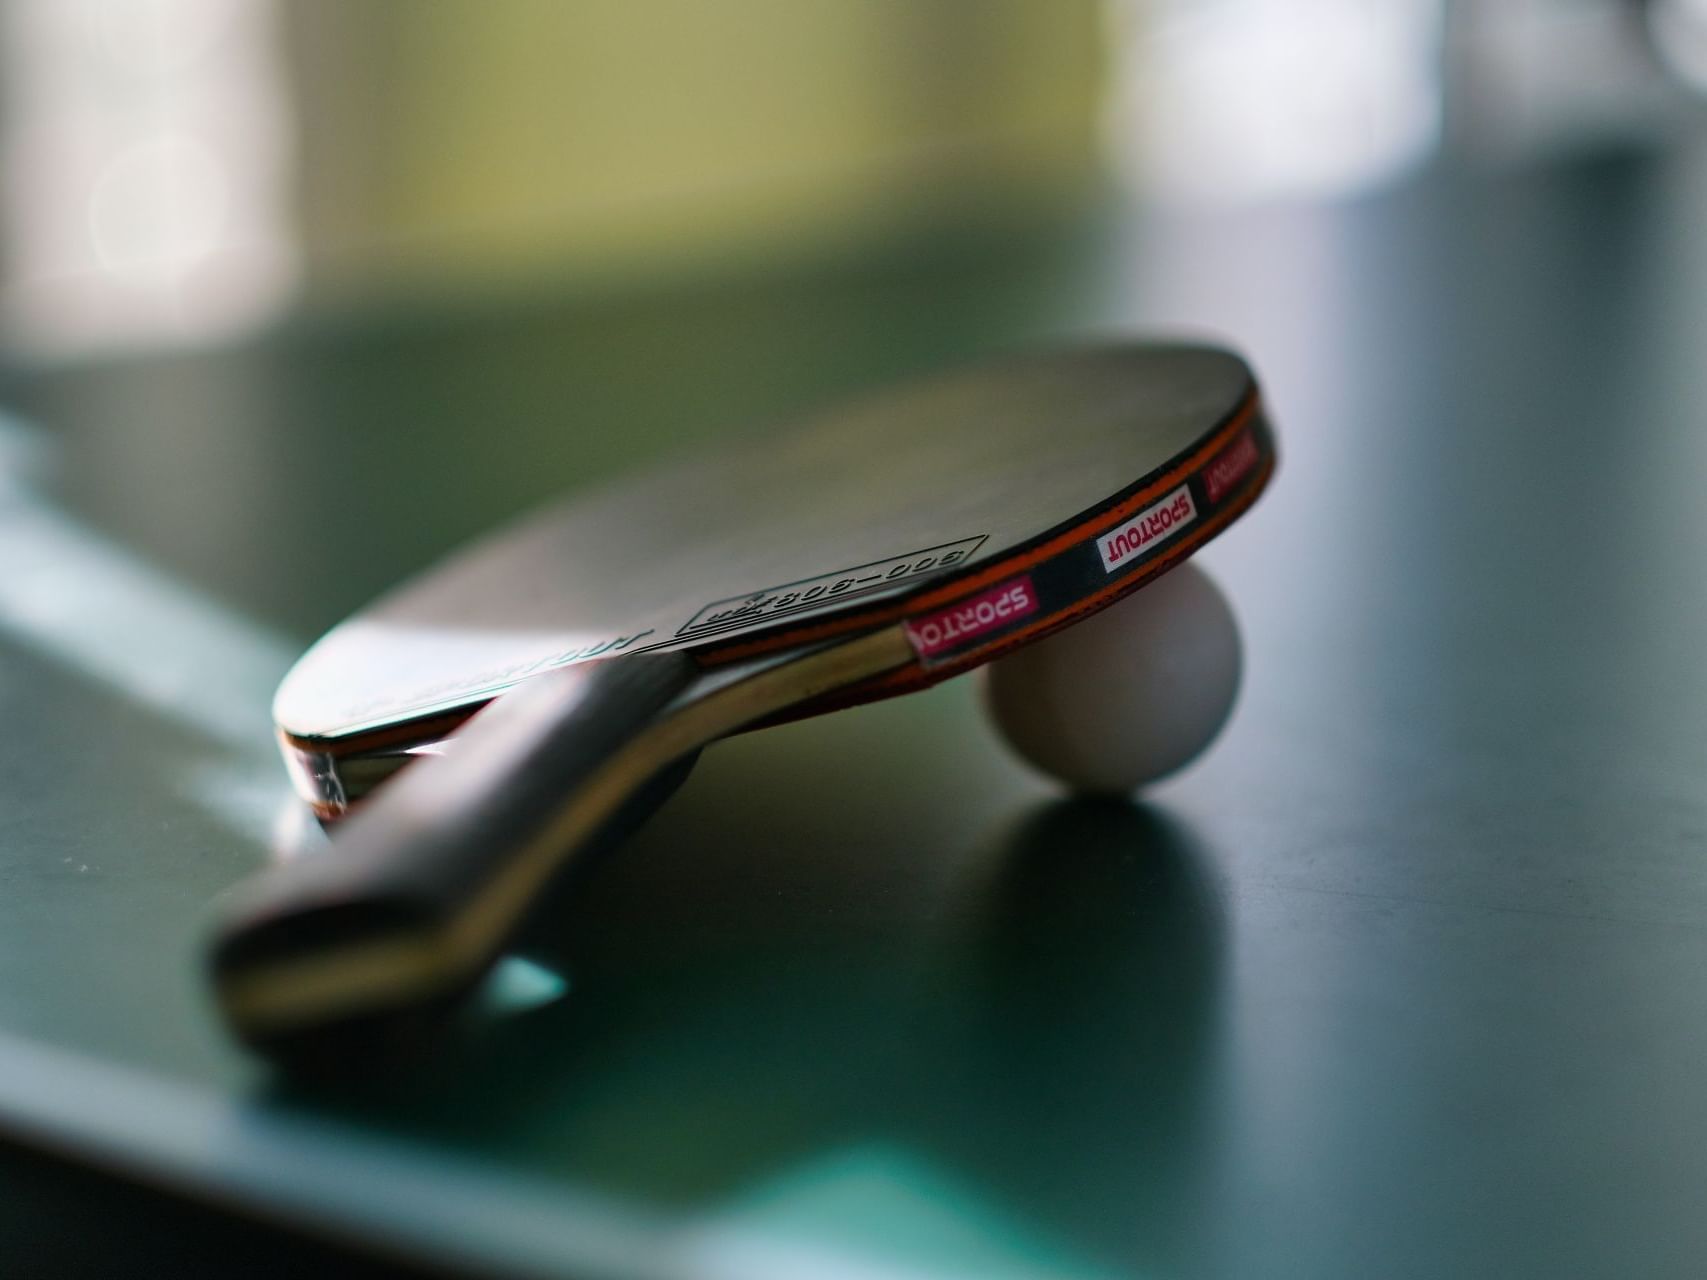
[1229,100]
[1680,34]
[145,152]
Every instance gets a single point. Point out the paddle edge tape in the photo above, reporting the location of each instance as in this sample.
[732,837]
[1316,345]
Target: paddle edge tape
[1073,570]
[435,724]
[1064,586]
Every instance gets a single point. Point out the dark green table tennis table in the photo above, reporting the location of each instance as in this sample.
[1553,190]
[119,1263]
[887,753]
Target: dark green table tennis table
[1408,977]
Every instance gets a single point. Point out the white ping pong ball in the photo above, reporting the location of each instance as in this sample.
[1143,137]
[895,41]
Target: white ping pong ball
[1128,695]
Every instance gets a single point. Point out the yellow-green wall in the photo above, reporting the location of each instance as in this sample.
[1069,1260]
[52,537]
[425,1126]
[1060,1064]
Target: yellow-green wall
[455,140]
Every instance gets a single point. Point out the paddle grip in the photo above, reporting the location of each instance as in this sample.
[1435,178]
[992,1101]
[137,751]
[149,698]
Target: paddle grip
[371,941]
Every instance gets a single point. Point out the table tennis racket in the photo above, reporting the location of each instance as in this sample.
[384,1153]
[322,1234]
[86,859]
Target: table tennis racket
[871,550]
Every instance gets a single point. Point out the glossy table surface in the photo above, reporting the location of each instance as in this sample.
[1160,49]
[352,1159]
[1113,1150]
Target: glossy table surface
[1407,977]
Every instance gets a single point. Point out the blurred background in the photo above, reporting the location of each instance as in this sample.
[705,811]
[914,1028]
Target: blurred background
[180,170]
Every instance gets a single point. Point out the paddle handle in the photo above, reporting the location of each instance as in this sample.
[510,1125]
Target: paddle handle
[365,944]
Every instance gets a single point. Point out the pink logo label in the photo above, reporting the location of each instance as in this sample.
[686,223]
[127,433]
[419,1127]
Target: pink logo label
[954,627]
[1231,467]
[1154,524]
